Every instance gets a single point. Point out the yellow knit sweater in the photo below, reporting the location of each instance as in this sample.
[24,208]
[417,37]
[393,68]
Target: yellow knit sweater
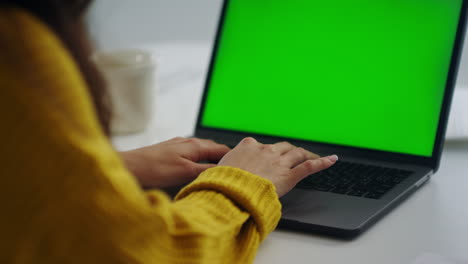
[66,196]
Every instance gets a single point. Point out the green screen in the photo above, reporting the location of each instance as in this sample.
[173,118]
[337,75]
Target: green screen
[362,73]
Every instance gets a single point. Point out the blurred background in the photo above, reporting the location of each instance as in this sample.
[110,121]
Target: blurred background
[122,23]
[180,34]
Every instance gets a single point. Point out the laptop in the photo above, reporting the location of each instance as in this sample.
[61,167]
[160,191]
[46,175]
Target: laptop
[371,81]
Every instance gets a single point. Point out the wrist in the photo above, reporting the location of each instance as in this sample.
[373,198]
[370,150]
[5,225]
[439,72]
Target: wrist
[136,165]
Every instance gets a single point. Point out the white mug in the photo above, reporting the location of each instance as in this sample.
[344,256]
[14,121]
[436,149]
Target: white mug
[131,81]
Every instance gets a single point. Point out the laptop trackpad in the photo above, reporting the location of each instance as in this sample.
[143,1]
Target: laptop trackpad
[328,209]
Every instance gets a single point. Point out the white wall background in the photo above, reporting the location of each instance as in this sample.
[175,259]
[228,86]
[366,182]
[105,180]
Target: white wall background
[126,23]
[123,23]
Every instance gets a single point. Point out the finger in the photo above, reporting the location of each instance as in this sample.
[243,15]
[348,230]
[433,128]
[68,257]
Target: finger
[283,147]
[173,140]
[207,150]
[176,139]
[248,141]
[296,156]
[312,166]
[312,155]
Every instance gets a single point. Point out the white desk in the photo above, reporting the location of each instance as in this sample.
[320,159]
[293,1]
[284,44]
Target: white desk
[434,219]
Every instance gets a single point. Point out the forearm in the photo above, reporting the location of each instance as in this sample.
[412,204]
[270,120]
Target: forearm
[222,216]
[72,200]
[211,221]
[138,165]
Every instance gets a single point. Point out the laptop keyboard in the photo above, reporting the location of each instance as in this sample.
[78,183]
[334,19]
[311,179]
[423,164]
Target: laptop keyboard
[355,179]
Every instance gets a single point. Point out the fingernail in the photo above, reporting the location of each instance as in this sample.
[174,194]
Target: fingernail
[333,158]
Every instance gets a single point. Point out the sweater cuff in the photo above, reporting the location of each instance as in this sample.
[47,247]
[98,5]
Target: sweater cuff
[250,192]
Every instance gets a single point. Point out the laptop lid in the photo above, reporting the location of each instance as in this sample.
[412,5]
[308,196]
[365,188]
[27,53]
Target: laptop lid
[370,76]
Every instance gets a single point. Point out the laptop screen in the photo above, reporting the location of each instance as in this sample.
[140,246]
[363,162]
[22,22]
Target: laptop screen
[369,74]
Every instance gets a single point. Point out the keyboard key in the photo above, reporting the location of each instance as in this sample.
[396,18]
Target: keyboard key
[358,193]
[358,180]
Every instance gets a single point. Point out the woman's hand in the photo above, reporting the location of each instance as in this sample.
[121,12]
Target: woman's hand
[172,163]
[282,163]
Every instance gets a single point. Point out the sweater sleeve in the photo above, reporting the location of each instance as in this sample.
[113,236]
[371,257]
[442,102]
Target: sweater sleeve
[66,194]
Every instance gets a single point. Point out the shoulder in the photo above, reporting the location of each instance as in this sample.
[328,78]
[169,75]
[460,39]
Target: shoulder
[35,65]
[13,16]
[40,80]
[31,50]
[21,32]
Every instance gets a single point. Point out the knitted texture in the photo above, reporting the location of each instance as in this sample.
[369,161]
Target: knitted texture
[68,198]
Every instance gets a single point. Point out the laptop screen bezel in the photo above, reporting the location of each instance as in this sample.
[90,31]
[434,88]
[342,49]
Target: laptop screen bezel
[433,161]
